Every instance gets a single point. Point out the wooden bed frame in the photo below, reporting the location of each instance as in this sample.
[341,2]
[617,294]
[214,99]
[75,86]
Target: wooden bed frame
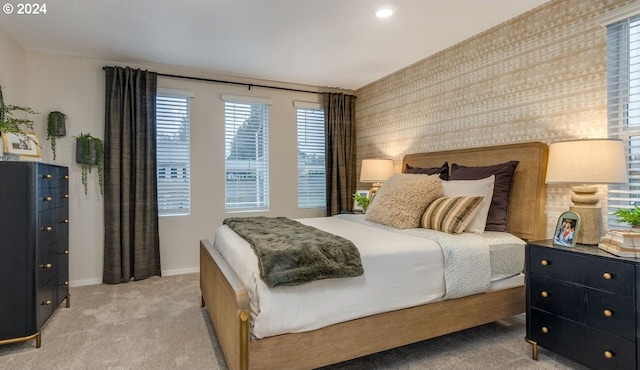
[227,299]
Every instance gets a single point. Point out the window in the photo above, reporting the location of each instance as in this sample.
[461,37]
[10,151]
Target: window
[246,122]
[311,164]
[623,107]
[172,121]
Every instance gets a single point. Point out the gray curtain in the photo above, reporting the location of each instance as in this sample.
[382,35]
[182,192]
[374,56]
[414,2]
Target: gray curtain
[131,240]
[340,145]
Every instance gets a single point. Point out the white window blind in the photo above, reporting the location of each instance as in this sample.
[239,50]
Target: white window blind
[172,122]
[246,156]
[623,107]
[311,164]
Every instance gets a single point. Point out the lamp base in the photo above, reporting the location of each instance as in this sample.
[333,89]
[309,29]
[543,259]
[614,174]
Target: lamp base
[586,206]
[374,189]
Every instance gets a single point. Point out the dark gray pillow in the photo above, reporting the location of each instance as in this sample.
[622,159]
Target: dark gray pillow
[497,218]
[442,171]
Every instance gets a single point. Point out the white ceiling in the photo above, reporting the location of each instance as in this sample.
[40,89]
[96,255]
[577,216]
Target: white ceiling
[334,43]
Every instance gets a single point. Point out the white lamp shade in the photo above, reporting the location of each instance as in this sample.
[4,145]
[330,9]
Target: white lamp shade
[376,170]
[587,161]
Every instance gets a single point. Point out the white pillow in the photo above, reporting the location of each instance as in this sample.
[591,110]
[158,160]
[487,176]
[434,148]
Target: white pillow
[482,187]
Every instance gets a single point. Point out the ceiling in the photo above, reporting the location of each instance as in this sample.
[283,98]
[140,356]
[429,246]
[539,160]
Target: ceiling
[333,43]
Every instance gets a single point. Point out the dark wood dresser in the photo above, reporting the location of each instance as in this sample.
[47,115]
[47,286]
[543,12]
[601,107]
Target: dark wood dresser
[34,247]
[583,303]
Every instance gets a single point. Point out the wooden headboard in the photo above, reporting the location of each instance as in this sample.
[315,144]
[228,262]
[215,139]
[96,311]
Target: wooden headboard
[526,217]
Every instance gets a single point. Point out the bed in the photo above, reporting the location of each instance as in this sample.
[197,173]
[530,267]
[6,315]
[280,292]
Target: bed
[227,298]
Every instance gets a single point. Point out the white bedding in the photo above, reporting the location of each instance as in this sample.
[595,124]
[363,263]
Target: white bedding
[400,270]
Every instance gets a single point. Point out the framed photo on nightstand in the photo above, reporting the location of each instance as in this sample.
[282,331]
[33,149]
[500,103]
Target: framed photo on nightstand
[567,229]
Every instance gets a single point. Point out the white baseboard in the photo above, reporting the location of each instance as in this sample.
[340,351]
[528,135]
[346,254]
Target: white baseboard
[190,270]
[76,283]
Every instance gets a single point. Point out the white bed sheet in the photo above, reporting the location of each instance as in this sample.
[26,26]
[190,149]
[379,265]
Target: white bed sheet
[399,271]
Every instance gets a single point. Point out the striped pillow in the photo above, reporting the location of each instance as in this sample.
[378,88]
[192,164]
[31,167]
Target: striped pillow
[450,214]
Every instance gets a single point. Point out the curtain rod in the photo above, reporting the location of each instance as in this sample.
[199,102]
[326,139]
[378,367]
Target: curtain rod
[248,85]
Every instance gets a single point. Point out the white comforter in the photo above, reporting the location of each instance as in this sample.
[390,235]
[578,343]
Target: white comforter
[400,270]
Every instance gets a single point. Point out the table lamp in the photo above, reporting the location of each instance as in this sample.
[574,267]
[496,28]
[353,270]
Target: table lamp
[375,171]
[587,162]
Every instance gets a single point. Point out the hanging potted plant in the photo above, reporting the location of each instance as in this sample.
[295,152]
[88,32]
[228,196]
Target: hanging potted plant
[55,128]
[90,152]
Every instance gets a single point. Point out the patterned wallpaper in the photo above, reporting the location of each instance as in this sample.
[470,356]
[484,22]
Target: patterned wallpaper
[538,77]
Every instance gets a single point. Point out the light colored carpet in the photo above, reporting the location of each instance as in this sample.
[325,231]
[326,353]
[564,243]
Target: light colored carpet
[158,324]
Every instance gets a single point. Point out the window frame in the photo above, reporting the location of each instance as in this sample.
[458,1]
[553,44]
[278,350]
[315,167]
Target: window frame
[185,173]
[238,111]
[310,137]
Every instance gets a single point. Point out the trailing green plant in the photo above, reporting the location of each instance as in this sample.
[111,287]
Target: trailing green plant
[55,128]
[363,201]
[89,152]
[630,216]
[14,125]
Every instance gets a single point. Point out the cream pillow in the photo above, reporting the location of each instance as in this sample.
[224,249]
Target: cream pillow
[402,200]
[483,188]
[450,215]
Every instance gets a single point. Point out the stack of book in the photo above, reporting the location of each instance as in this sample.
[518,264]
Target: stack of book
[623,243]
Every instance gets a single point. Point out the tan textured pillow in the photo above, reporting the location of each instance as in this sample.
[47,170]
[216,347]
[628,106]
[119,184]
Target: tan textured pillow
[450,215]
[402,200]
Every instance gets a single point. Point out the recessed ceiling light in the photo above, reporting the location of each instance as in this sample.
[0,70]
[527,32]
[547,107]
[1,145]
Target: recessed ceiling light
[384,12]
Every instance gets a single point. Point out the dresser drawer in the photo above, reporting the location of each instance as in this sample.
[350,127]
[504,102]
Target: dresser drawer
[60,222]
[606,351]
[560,298]
[51,259]
[46,228]
[62,285]
[45,302]
[612,276]
[51,176]
[52,198]
[599,273]
[612,313]
[564,336]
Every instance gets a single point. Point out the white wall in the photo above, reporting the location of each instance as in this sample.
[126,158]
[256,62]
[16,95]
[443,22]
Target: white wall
[75,86]
[13,70]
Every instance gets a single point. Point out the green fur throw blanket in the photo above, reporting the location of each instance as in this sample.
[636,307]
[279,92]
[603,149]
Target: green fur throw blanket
[291,253]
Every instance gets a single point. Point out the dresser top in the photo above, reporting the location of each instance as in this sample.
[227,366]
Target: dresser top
[592,250]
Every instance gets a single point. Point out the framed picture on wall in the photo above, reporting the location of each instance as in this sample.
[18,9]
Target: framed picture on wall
[27,146]
[566,229]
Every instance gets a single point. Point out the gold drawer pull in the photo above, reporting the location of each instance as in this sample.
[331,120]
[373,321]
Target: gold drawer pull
[66,196]
[47,266]
[608,354]
[48,199]
[65,177]
[608,313]
[47,176]
[46,303]
[64,252]
[607,276]
[65,283]
[544,262]
[545,330]
[48,228]
[544,294]
[65,221]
